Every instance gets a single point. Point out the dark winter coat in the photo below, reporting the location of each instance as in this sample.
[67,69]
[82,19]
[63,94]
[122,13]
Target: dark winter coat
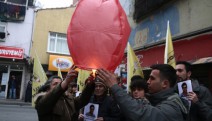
[166,106]
[200,111]
[55,106]
[108,108]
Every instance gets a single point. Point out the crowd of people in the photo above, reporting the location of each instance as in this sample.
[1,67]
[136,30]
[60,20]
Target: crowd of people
[154,99]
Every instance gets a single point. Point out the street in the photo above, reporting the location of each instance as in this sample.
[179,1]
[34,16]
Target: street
[17,113]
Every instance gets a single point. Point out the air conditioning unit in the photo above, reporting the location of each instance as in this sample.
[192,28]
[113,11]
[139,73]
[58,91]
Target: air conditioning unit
[3,33]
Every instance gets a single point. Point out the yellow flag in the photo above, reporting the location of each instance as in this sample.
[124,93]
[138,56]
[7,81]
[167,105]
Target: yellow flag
[169,51]
[133,65]
[82,76]
[39,77]
[59,73]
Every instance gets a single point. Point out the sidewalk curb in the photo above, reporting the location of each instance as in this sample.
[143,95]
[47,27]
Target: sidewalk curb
[14,102]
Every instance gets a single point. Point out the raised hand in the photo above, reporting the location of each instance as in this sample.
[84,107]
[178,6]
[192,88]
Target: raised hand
[71,75]
[107,77]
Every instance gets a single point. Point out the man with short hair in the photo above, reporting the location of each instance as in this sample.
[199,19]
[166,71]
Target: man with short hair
[53,105]
[12,87]
[166,105]
[200,97]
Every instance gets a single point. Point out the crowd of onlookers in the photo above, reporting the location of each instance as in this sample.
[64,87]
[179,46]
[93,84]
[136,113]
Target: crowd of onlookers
[154,99]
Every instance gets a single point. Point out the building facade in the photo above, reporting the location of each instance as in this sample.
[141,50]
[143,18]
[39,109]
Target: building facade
[49,39]
[15,41]
[191,29]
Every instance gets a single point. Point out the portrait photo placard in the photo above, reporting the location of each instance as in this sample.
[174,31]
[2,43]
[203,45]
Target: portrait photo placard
[184,88]
[91,112]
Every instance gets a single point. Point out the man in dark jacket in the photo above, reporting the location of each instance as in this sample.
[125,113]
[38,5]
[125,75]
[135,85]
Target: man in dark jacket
[200,96]
[54,105]
[12,87]
[166,105]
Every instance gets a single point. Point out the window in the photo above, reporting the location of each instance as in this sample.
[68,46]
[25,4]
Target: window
[22,2]
[30,2]
[57,43]
[2,33]
[12,12]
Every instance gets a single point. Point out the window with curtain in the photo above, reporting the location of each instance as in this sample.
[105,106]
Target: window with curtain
[57,43]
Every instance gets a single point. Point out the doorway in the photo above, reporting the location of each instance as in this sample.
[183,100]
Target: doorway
[18,80]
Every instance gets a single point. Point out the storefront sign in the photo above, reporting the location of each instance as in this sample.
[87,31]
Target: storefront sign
[11,52]
[62,62]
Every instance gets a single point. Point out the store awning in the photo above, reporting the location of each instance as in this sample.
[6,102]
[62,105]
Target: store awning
[202,60]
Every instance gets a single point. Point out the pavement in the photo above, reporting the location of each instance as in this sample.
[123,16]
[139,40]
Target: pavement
[17,111]
[14,102]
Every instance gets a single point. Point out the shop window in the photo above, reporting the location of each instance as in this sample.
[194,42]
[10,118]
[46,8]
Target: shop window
[2,33]
[57,43]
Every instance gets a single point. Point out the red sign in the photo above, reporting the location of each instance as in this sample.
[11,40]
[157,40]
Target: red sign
[11,52]
[185,50]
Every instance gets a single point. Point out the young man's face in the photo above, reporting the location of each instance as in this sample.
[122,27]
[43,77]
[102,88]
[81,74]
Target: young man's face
[99,89]
[182,75]
[13,77]
[154,82]
[91,110]
[54,83]
[184,88]
[138,93]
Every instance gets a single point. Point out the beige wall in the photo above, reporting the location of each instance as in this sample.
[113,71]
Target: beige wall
[194,15]
[46,20]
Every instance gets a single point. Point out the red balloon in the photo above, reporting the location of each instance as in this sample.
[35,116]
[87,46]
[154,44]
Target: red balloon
[98,34]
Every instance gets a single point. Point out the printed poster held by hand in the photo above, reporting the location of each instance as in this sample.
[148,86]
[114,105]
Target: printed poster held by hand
[98,34]
[91,112]
[184,88]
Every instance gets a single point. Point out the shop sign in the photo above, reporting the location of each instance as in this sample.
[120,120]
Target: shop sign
[11,52]
[62,62]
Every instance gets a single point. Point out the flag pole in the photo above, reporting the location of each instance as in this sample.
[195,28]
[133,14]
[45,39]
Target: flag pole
[133,65]
[169,57]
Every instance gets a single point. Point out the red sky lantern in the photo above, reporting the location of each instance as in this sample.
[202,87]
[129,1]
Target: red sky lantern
[98,34]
